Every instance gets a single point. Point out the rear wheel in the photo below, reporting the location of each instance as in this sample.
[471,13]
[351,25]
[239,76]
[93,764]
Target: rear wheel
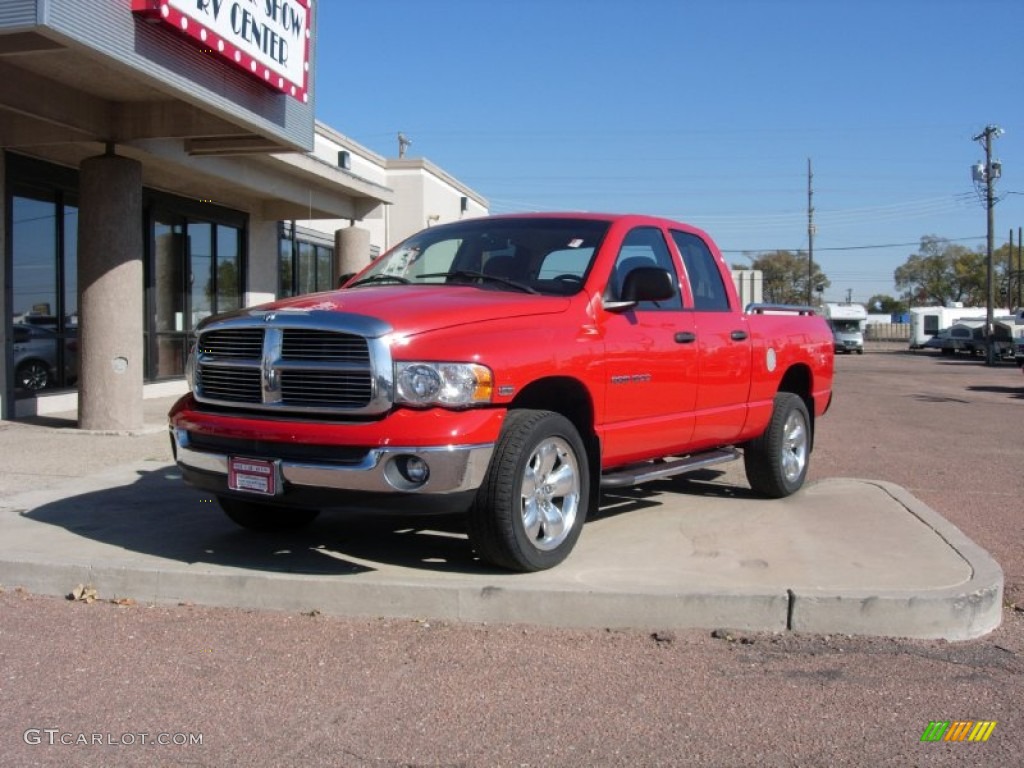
[776,462]
[257,516]
[530,509]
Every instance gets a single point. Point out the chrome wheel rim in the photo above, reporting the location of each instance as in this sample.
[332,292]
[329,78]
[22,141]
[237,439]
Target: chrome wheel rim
[794,447]
[550,494]
[33,377]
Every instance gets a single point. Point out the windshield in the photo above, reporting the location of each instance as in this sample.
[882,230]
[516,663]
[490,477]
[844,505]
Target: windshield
[846,326]
[543,255]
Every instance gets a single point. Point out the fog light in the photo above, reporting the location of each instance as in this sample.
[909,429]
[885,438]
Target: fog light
[416,470]
[407,473]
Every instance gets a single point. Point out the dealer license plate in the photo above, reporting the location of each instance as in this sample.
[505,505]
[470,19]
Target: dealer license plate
[252,476]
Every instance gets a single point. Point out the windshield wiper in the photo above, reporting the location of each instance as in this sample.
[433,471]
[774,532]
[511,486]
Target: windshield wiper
[469,273]
[381,279]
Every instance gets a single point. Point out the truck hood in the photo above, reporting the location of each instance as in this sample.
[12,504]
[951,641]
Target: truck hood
[417,309]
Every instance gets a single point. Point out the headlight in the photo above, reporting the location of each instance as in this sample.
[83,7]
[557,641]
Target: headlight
[452,384]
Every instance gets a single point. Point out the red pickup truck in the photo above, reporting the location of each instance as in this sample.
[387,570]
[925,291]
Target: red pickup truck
[507,367]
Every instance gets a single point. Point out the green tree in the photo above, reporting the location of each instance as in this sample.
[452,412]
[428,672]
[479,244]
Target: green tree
[886,304]
[785,276]
[942,272]
[1008,275]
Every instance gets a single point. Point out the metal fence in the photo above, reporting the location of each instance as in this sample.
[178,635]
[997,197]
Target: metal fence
[887,332]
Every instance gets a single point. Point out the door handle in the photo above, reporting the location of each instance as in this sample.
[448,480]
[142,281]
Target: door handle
[738,335]
[685,337]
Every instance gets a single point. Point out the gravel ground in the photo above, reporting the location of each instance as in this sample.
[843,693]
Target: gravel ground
[274,689]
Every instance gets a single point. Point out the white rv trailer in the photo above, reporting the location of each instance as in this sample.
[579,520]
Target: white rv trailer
[926,322]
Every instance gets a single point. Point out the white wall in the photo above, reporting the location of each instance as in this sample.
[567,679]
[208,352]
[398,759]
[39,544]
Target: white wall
[425,195]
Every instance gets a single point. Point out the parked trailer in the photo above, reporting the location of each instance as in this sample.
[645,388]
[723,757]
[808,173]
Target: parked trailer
[926,322]
[969,336]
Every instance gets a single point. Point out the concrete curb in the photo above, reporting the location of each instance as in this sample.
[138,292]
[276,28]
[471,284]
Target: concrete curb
[959,612]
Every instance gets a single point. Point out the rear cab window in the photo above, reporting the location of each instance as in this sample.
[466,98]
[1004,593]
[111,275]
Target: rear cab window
[706,285]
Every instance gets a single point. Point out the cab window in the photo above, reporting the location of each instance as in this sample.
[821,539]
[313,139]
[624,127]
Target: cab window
[709,294]
[644,247]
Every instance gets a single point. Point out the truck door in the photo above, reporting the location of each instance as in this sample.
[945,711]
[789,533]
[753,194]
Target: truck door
[723,341]
[651,360]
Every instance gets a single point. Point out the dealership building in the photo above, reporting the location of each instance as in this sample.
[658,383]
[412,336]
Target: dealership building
[160,163]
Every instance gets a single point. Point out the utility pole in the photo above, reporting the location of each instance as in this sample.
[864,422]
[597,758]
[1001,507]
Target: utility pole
[810,233]
[987,175]
[1020,268]
[1009,274]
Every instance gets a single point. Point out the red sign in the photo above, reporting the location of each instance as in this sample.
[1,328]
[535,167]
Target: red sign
[269,39]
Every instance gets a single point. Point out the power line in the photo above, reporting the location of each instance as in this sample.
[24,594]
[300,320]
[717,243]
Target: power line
[854,247]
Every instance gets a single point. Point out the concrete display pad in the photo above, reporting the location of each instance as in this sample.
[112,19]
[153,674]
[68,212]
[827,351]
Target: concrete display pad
[842,556]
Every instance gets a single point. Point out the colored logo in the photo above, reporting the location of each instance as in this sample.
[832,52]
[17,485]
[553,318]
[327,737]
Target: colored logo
[958,730]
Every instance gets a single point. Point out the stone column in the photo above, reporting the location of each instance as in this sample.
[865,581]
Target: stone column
[110,284]
[351,250]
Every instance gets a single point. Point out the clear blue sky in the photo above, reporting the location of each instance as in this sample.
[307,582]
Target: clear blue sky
[702,110]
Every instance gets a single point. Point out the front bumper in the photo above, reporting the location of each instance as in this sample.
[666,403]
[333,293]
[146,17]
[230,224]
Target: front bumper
[452,469]
[326,463]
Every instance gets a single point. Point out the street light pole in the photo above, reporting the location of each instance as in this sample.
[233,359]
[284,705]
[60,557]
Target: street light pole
[988,175]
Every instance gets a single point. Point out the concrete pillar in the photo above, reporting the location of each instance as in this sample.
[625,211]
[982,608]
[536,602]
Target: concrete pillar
[351,250]
[264,252]
[110,303]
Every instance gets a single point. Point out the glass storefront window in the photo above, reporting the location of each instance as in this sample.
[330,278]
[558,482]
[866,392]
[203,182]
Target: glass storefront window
[44,280]
[168,274]
[286,267]
[229,272]
[307,267]
[34,244]
[304,265]
[323,268]
[71,265]
[197,272]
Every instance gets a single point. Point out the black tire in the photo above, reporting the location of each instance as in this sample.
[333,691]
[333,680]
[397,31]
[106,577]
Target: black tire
[267,518]
[860,351]
[776,462]
[507,524]
[32,376]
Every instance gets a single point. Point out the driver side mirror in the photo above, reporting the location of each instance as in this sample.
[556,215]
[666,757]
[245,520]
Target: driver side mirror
[644,284]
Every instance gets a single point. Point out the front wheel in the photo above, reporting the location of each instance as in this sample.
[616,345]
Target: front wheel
[776,462]
[530,509]
[267,518]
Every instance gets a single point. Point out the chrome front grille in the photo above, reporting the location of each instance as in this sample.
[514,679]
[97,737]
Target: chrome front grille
[327,363]
[234,343]
[228,384]
[302,344]
[325,388]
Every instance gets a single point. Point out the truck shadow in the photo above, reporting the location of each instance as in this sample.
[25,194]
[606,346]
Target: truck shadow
[159,517]
[1014,392]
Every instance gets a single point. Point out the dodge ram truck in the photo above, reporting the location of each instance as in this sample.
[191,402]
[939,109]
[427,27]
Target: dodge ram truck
[506,368]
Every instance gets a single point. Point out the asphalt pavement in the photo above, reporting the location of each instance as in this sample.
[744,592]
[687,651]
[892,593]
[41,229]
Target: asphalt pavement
[852,556]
